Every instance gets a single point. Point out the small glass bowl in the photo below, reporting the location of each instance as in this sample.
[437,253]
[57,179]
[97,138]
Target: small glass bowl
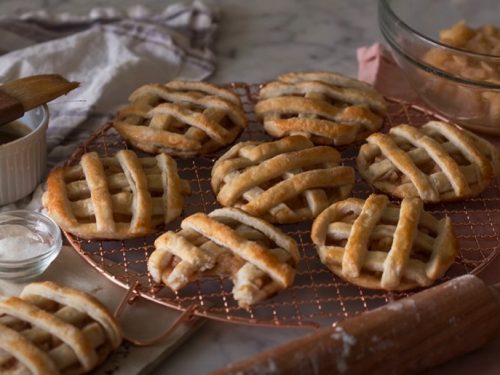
[411,28]
[49,233]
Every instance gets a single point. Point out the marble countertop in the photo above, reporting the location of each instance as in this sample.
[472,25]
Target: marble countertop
[256,41]
[259,39]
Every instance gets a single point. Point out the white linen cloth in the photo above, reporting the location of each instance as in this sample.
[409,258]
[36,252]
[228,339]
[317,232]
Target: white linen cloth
[110,53]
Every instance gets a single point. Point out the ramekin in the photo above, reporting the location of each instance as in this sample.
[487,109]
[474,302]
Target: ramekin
[23,162]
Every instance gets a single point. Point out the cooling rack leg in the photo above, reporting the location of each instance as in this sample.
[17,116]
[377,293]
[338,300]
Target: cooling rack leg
[188,317]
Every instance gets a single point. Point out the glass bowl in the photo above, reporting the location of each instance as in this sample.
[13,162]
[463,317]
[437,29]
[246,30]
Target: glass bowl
[465,95]
[24,266]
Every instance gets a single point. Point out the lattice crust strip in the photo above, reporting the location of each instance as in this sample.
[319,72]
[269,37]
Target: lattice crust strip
[437,162]
[120,197]
[51,329]
[326,107]
[374,244]
[258,257]
[285,181]
[182,118]
[316,295]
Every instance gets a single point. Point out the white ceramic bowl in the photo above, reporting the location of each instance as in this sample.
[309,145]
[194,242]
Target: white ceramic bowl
[23,162]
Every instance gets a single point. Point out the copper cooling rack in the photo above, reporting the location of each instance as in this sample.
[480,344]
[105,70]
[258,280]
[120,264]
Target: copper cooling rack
[317,296]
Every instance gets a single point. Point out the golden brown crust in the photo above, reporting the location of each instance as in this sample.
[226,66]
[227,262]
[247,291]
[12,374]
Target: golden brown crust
[28,355]
[183,118]
[81,301]
[377,245]
[113,197]
[438,162]
[326,107]
[53,329]
[258,257]
[284,181]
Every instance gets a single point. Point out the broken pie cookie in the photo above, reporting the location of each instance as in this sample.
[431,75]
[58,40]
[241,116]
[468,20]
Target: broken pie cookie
[227,243]
[52,329]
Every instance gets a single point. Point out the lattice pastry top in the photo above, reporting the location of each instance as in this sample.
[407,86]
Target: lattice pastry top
[183,118]
[284,181]
[54,330]
[437,162]
[375,244]
[117,197]
[258,257]
[326,107]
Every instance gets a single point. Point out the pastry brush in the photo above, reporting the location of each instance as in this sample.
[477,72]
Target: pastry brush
[21,95]
[403,337]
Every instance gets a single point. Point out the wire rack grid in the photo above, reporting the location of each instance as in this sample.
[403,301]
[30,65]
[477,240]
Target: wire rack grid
[317,296]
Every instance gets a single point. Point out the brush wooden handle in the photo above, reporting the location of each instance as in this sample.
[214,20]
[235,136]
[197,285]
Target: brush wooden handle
[10,108]
[407,336]
[24,94]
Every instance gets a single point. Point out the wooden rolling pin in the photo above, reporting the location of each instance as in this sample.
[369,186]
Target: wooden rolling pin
[403,337]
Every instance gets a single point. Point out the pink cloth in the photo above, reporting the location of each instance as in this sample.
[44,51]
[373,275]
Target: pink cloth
[377,67]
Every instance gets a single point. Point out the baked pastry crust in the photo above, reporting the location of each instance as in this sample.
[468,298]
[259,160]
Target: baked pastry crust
[284,181]
[117,197]
[183,118]
[326,107]
[437,162]
[228,242]
[52,329]
[378,245]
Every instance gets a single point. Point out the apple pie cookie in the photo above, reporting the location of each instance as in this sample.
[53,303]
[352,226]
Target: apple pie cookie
[117,197]
[284,181]
[375,244]
[184,118]
[228,242]
[326,107]
[437,162]
[51,329]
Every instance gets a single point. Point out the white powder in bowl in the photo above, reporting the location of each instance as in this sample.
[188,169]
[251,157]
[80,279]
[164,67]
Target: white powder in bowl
[20,243]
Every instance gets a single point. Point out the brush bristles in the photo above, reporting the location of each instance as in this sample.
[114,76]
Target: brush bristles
[37,90]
